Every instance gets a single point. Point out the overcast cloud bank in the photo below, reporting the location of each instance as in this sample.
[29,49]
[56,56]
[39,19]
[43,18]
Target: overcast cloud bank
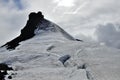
[109,34]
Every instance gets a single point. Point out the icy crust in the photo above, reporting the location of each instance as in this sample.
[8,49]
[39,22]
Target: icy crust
[38,59]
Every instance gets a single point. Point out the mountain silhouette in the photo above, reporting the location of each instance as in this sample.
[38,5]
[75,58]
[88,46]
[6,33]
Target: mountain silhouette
[35,24]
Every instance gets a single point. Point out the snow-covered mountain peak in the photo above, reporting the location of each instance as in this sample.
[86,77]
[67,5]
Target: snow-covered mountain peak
[52,54]
[37,25]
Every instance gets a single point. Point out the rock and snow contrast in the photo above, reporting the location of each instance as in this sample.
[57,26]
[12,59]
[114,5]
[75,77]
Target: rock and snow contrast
[50,53]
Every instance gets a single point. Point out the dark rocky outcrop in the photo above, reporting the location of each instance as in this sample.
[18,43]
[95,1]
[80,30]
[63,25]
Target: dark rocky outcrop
[4,66]
[3,71]
[79,40]
[27,32]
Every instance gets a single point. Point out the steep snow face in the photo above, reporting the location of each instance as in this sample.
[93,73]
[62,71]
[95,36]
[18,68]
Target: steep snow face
[47,27]
[39,59]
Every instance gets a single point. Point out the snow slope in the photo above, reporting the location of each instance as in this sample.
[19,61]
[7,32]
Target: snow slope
[38,58]
[46,26]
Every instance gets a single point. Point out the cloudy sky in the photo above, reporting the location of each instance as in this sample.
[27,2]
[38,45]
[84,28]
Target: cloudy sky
[85,19]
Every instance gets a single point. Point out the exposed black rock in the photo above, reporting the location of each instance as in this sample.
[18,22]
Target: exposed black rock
[27,32]
[79,40]
[9,77]
[4,66]
[2,76]
[3,70]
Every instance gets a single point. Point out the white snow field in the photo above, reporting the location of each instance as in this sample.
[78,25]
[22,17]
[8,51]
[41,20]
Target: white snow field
[38,58]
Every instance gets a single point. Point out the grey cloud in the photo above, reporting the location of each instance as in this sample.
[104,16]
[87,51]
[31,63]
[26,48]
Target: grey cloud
[109,34]
[13,4]
[11,21]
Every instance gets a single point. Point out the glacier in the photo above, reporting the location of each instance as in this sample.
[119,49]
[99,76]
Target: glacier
[38,58]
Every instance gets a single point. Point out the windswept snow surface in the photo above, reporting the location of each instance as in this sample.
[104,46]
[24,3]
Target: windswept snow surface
[46,26]
[38,59]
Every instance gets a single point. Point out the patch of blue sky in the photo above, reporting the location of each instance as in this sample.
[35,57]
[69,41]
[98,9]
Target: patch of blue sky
[18,4]
[5,1]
